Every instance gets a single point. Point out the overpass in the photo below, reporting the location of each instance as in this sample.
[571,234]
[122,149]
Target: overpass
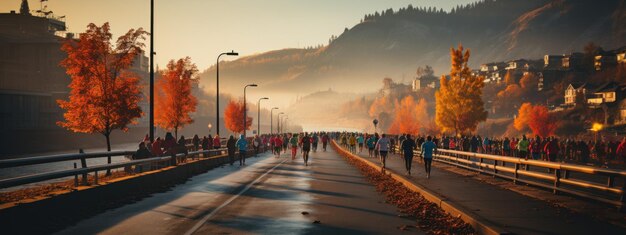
[338,193]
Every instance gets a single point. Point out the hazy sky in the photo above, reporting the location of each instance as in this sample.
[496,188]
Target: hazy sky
[202,29]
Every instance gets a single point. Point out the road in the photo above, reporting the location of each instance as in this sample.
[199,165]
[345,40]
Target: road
[267,196]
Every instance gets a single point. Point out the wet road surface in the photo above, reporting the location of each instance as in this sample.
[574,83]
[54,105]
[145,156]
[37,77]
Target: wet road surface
[268,196]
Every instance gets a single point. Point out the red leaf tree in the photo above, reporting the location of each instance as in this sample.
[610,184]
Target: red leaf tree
[104,95]
[174,101]
[542,122]
[233,117]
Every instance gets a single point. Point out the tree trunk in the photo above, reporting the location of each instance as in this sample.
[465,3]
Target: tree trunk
[107,136]
[176,133]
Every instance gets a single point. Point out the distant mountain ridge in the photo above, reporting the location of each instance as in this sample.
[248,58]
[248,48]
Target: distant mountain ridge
[394,43]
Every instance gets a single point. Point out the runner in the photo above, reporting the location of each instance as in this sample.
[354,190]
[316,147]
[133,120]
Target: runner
[242,145]
[383,147]
[371,144]
[285,139]
[427,150]
[408,145]
[324,141]
[360,141]
[293,143]
[315,140]
[306,147]
[352,142]
[278,143]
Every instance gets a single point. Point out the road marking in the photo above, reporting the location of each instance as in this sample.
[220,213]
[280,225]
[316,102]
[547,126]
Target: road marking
[231,199]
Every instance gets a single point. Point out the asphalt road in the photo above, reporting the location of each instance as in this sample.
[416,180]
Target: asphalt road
[267,196]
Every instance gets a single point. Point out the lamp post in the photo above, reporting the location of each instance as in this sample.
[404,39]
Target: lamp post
[217,87]
[245,109]
[272,121]
[151,118]
[281,127]
[210,128]
[258,118]
[285,124]
[278,122]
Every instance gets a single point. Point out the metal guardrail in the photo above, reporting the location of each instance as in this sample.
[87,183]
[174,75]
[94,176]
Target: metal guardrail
[561,177]
[22,180]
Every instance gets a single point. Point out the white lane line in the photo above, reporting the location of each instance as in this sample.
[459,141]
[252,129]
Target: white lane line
[231,199]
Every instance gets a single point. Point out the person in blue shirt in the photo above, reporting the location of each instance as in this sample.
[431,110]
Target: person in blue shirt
[242,145]
[428,148]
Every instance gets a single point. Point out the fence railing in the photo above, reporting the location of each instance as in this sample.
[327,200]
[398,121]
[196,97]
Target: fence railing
[162,161]
[578,180]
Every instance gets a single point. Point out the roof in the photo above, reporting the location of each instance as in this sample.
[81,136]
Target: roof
[608,87]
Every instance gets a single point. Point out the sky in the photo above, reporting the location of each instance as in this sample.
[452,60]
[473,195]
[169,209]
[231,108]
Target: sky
[202,29]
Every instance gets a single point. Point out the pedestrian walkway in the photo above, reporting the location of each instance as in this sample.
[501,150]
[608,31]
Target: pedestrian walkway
[508,210]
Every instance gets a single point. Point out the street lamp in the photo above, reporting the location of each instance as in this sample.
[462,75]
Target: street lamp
[217,87]
[258,118]
[278,122]
[285,124]
[272,121]
[245,109]
[151,118]
[210,128]
[281,127]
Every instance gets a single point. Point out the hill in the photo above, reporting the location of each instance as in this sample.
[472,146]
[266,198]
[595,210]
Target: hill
[394,43]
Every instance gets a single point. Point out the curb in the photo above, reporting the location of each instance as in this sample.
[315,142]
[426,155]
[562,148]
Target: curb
[481,225]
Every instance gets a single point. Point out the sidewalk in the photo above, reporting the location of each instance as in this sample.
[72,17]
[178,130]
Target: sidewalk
[511,211]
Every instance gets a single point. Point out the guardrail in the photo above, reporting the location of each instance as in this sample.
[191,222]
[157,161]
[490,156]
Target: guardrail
[578,180]
[161,161]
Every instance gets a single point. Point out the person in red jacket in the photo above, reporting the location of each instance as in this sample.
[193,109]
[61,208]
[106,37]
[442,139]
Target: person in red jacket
[278,143]
[552,149]
[216,142]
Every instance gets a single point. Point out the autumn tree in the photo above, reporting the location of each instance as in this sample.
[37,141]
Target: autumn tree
[233,117]
[409,117]
[536,117]
[542,122]
[459,106]
[174,101]
[521,121]
[104,95]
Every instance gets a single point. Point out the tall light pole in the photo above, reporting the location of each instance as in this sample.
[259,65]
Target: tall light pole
[281,127]
[258,117]
[245,109]
[278,122]
[285,123]
[272,121]
[151,118]
[217,93]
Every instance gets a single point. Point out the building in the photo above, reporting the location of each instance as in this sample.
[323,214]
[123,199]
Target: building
[31,79]
[575,89]
[604,61]
[552,61]
[605,94]
[572,61]
[424,82]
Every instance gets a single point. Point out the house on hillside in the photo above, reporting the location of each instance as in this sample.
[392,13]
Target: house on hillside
[493,72]
[552,61]
[605,61]
[424,82]
[607,93]
[575,89]
[572,61]
[621,58]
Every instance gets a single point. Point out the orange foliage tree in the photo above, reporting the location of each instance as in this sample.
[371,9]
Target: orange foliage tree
[174,101]
[542,122]
[104,95]
[233,117]
[521,121]
[409,116]
[459,105]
